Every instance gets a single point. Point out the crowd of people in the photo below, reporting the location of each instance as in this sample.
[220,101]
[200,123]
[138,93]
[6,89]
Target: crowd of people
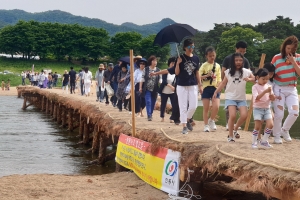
[274,88]
[41,79]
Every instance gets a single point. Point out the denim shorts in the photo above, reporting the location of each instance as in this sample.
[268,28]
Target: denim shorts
[262,113]
[208,92]
[237,103]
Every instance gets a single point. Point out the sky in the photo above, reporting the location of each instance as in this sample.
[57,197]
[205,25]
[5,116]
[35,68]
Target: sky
[198,13]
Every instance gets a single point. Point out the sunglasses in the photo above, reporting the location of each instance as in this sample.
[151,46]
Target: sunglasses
[142,63]
[190,47]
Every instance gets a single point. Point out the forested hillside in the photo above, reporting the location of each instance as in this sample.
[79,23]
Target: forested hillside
[11,17]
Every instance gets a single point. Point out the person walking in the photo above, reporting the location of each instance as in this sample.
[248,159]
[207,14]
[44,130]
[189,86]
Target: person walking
[65,82]
[106,76]
[72,75]
[87,81]
[188,84]
[168,91]
[210,73]
[287,71]
[240,47]
[99,83]
[148,86]
[114,80]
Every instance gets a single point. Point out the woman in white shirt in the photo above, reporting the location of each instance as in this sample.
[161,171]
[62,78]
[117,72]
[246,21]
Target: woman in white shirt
[167,90]
[87,81]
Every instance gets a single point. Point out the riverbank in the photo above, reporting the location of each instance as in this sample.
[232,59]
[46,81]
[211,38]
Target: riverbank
[115,186]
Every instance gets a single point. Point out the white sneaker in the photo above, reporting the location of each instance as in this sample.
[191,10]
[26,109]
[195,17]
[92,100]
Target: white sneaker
[130,113]
[206,128]
[254,146]
[265,145]
[277,140]
[286,135]
[212,124]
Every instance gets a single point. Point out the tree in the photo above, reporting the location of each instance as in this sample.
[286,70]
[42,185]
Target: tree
[271,47]
[230,37]
[97,42]
[7,40]
[279,28]
[147,49]
[121,43]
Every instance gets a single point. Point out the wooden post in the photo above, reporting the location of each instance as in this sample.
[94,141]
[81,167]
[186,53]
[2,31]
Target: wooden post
[261,64]
[132,92]
[96,139]
[58,113]
[24,103]
[64,117]
[70,120]
[54,111]
[86,135]
[51,107]
[81,121]
[43,106]
[47,106]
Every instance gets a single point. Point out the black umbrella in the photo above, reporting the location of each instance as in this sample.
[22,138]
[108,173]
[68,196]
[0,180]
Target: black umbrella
[174,33]
[125,59]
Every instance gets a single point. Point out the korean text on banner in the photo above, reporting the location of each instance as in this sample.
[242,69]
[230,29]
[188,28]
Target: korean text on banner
[160,170]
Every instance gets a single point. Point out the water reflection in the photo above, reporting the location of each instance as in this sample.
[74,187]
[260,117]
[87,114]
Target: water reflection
[33,143]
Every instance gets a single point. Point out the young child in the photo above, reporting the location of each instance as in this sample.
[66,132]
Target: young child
[262,96]
[8,84]
[271,69]
[235,93]
[3,85]
[210,73]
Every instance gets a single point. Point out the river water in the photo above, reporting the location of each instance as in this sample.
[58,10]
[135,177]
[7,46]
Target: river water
[31,142]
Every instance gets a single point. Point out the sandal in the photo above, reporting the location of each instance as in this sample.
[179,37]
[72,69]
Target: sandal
[236,134]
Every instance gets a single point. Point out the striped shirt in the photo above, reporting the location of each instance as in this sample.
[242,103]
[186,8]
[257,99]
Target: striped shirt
[285,74]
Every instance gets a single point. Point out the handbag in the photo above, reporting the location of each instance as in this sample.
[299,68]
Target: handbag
[109,90]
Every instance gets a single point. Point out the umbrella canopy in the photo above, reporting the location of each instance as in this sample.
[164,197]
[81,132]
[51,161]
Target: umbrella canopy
[125,59]
[174,33]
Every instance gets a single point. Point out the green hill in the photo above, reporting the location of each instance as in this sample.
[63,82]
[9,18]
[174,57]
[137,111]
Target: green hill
[11,17]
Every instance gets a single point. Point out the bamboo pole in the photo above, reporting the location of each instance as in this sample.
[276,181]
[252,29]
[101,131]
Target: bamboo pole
[132,92]
[261,64]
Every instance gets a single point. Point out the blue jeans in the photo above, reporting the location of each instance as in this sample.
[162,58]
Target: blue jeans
[150,100]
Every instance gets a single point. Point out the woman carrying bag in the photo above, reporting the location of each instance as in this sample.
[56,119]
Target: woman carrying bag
[168,90]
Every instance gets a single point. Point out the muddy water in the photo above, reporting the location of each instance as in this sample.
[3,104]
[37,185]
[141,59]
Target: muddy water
[31,142]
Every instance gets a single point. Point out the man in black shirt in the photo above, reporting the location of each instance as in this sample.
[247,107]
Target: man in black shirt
[240,47]
[72,75]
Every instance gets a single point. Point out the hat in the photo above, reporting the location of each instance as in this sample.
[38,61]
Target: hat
[137,57]
[101,66]
[141,60]
[110,65]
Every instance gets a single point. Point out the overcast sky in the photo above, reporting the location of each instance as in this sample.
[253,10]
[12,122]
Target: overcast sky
[198,13]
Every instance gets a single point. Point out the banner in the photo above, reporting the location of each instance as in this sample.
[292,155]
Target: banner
[160,170]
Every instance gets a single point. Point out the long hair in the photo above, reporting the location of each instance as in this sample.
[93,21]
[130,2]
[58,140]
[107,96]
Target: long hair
[288,41]
[232,68]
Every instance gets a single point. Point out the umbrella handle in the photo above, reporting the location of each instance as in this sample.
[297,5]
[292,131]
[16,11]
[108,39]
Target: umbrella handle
[177,50]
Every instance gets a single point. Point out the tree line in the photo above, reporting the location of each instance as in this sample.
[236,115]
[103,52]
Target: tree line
[265,37]
[73,41]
